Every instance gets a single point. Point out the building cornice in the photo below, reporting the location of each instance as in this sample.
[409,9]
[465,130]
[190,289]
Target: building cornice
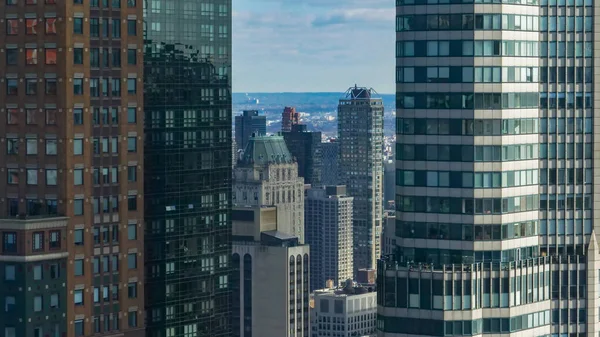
[33,224]
[33,258]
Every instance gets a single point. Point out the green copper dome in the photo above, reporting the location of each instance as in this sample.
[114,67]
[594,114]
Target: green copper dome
[264,150]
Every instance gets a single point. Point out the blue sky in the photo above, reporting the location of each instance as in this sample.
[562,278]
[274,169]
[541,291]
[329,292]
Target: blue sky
[313,45]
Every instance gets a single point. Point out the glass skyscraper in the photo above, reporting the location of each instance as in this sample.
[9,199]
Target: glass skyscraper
[187,98]
[495,171]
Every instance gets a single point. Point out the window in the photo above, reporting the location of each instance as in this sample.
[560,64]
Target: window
[131,144]
[37,272]
[132,261]
[131,3]
[78,237]
[131,86]
[13,176]
[94,87]
[50,116]
[54,271]
[54,240]
[31,26]
[12,56]
[37,303]
[31,146]
[37,331]
[54,301]
[78,116]
[78,147]
[9,242]
[51,147]
[77,55]
[132,290]
[31,86]
[77,25]
[95,57]
[131,231]
[12,116]
[131,115]
[131,27]
[78,206]
[116,87]
[9,303]
[132,319]
[12,87]
[51,87]
[9,272]
[50,25]
[12,146]
[30,117]
[38,241]
[78,327]
[10,331]
[12,26]
[94,27]
[131,56]
[132,202]
[78,177]
[132,173]
[78,267]
[116,28]
[78,86]
[51,177]
[114,115]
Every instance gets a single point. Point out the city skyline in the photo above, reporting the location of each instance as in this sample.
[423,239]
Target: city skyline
[311,45]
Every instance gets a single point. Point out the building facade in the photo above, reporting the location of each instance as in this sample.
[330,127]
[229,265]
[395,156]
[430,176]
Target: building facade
[328,225]
[71,108]
[268,261]
[187,83]
[267,175]
[250,123]
[360,134]
[289,118]
[495,166]
[330,152]
[305,146]
[346,311]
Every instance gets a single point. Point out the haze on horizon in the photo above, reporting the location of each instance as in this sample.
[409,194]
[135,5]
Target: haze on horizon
[313,45]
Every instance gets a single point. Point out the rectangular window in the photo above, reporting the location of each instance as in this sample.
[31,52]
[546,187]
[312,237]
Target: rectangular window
[31,56]
[78,328]
[50,25]
[9,240]
[132,290]
[78,237]
[51,87]
[131,86]
[132,27]
[77,25]
[31,26]
[78,267]
[78,177]
[114,116]
[12,146]
[116,87]
[131,56]
[78,206]
[31,85]
[9,272]
[132,319]
[78,86]
[131,144]
[77,55]
[37,272]
[94,27]
[54,242]
[78,116]
[132,202]
[131,231]
[78,147]
[132,261]
[13,176]
[131,115]
[51,177]
[94,87]
[31,147]
[9,303]
[38,241]
[37,303]
[116,57]
[12,87]
[50,116]
[30,115]
[12,56]
[54,271]
[116,28]
[51,147]
[12,26]
[132,173]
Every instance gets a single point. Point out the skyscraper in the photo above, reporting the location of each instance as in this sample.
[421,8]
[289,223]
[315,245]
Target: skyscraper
[267,175]
[330,162]
[249,123]
[360,134]
[495,171]
[328,225]
[71,132]
[289,117]
[187,83]
[305,146]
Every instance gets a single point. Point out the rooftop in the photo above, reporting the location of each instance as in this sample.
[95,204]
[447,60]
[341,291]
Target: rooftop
[264,150]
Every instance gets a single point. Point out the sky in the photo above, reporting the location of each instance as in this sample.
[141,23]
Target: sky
[313,45]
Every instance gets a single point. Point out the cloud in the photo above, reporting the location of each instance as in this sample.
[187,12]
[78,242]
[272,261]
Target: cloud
[355,16]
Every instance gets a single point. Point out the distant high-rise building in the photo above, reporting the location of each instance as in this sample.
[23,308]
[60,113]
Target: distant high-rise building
[270,278]
[305,146]
[389,181]
[187,167]
[249,123]
[360,134]
[267,175]
[348,310]
[328,225]
[330,152]
[289,117]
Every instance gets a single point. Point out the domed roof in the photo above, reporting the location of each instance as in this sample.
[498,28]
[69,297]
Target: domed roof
[264,150]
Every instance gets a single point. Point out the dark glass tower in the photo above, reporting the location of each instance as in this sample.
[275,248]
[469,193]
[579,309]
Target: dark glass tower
[187,87]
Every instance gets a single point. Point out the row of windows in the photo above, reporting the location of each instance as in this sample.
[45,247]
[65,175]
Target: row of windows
[460,232]
[569,100]
[457,179]
[438,257]
[467,153]
[479,48]
[13,26]
[500,325]
[560,3]
[104,57]
[569,23]
[93,3]
[38,241]
[79,269]
[570,176]
[457,100]
[566,74]
[566,151]
[467,74]
[476,127]
[97,87]
[493,48]
[439,22]
[451,205]
[12,146]
[100,116]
